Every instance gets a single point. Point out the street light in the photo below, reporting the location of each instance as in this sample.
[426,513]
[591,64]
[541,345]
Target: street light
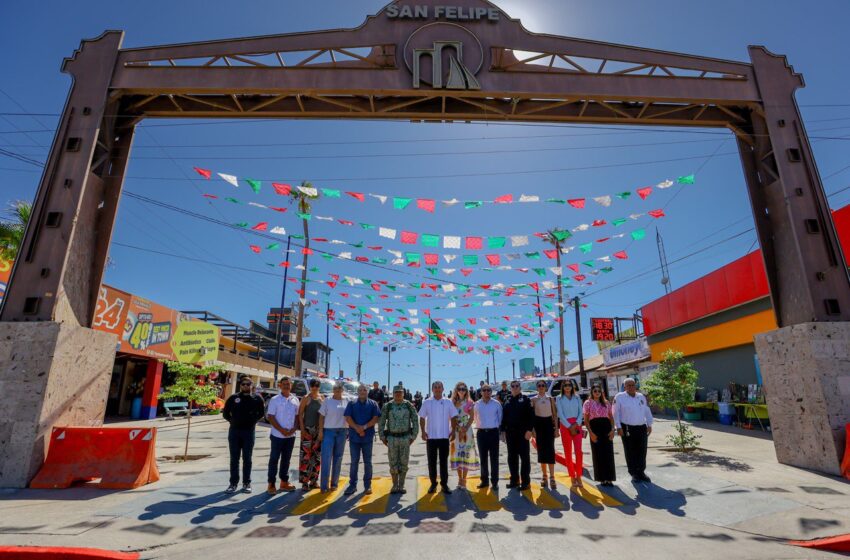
[389,349]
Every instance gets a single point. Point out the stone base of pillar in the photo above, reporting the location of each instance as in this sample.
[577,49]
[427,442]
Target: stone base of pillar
[51,374]
[806,373]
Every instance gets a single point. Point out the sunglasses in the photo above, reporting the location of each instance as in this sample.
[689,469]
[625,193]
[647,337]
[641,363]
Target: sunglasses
[514,386]
[461,389]
[246,384]
[487,390]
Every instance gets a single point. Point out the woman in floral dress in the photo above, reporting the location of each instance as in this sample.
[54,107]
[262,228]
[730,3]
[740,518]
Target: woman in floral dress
[309,463]
[463,457]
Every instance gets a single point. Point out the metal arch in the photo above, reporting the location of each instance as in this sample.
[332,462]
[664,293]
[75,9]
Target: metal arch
[356,73]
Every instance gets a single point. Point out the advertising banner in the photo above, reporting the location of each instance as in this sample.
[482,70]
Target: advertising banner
[627,352]
[5,272]
[151,330]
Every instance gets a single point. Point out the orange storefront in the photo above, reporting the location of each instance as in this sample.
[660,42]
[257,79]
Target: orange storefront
[713,319]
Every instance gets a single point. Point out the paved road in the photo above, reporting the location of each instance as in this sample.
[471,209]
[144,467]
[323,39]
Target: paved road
[733,501]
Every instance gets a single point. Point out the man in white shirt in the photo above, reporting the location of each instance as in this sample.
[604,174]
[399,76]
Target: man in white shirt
[634,424]
[282,415]
[437,420]
[488,419]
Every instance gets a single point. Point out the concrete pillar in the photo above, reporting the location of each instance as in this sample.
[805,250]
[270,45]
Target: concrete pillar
[806,373]
[153,380]
[51,374]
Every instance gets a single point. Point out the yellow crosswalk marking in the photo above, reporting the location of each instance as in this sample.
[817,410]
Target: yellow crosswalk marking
[541,497]
[430,503]
[483,498]
[589,493]
[378,500]
[317,503]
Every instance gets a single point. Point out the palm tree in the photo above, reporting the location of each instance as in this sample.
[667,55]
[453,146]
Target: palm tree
[303,200]
[554,237]
[12,229]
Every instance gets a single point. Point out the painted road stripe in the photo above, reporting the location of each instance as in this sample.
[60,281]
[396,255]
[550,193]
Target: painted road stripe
[377,502]
[317,503]
[483,498]
[542,498]
[430,503]
[590,493]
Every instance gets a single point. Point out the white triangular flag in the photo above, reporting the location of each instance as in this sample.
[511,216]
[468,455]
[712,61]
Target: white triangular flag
[393,252]
[529,198]
[449,258]
[380,197]
[603,200]
[665,184]
[449,270]
[230,179]
[451,202]
[309,191]
[389,233]
[556,270]
[582,227]
[257,204]
[519,240]
[278,230]
[451,242]
[345,255]
[324,218]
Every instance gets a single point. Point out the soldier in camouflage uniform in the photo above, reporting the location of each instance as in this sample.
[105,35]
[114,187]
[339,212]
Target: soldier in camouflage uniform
[398,428]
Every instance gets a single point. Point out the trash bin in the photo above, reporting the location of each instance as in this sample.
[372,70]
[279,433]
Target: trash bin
[136,408]
[727,419]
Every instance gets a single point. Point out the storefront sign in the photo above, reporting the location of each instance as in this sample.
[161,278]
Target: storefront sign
[5,272]
[450,13]
[627,352]
[602,329]
[148,329]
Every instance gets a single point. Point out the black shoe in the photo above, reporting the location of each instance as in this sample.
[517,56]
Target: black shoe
[445,489]
[483,485]
[246,489]
[524,487]
[495,487]
[511,485]
[636,479]
[231,489]
[645,478]
[432,488]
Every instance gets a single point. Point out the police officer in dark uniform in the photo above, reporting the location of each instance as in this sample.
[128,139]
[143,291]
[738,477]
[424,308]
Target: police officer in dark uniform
[377,395]
[517,423]
[243,410]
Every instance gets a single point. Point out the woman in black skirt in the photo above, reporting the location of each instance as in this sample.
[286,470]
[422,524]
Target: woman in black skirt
[599,418]
[545,428]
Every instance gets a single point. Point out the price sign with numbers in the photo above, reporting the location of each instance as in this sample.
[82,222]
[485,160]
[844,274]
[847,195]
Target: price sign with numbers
[602,329]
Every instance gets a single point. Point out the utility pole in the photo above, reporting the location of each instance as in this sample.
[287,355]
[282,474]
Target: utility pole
[280,316]
[328,340]
[389,349]
[429,364]
[551,362]
[359,343]
[493,353]
[561,364]
[540,328]
[487,374]
[513,367]
[662,257]
[577,303]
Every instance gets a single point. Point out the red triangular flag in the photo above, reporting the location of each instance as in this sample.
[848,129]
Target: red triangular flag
[376,286]
[598,223]
[579,277]
[409,237]
[573,267]
[426,204]
[551,253]
[431,259]
[621,255]
[284,264]
[504,199]
[656,213]
[644,192]
[306,251]
[255,248]
[358,195]
[205,173]
[210,196]
[262,226]
[466,271]
[576,202]
[534,286]
[277,209]
[346,222]
[494,260]
[282,189]
[331,284]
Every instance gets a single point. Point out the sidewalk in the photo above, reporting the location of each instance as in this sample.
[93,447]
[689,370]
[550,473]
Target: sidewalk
[732,499]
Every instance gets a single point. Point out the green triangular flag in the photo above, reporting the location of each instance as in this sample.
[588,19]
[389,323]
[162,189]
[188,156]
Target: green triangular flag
[618,221]
[470,260]
[314,269]
[366,226]
[561,234]
[296,236]
[331,193]
[495,242]
[586,247]
[412,257]
[556,200]
[401,203]
[379,260]
[624,195]
[431,270]
[358,245]
[469,204]
[430,240]
[686,180]
[540,271]
[534,255]
[327,257]
[255,185]
[303,216]
[589,264]
[390,287]
[273,246]
[233,200]
[607,269]
[241,224]
[638,234]
[411,298]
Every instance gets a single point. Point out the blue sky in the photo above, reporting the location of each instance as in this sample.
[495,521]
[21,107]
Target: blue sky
[506,159]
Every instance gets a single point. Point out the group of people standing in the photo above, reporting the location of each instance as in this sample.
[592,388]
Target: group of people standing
[457,430]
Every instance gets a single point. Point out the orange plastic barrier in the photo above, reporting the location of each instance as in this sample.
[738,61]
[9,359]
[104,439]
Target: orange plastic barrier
[64,553]
[845,464]
[840,543]
[119,457]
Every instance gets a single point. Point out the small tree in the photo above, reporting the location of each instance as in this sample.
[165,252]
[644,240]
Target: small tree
[12,229]
[187,386]
[674,385]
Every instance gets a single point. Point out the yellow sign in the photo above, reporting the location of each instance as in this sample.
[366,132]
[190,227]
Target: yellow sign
[195,342]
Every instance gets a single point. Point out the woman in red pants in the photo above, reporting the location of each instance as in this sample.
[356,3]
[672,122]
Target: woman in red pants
[570,416]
